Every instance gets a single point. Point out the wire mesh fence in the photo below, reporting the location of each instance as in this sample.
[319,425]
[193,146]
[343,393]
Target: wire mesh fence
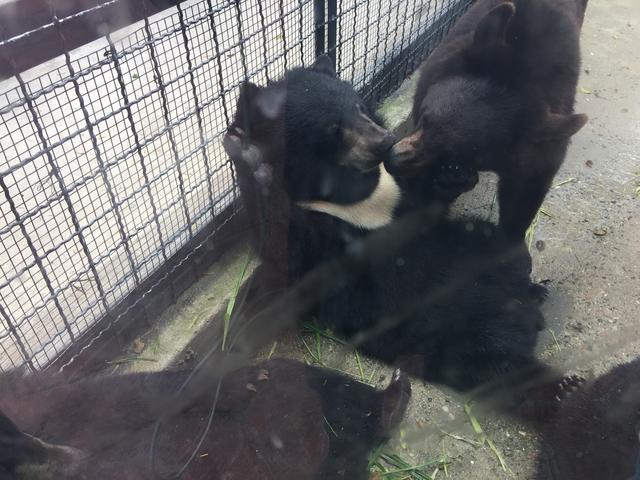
[111,168]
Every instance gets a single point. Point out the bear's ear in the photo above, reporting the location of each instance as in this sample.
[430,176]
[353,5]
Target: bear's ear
[395,400]
[17,449]
[492,29]
[265,102]
[12,444]
[324,64]
[248,93]
[556,126]
[7,427]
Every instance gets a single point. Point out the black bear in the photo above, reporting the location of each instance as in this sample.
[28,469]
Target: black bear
[453,304]
[279,419]
[308,137]
[498,95]
[594,434]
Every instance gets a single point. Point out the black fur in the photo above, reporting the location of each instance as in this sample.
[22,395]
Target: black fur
[594,434]
[498,94]
[306,153]
[455,305]
[279,419]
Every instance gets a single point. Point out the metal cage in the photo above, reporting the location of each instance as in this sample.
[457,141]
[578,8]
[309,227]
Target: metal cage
[114,183]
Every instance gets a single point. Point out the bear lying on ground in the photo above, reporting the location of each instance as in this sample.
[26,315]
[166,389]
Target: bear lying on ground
[498,94]
[280,419]
[594,434]
[454,304]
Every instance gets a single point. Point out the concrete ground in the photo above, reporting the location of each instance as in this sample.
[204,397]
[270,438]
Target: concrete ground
[585,245]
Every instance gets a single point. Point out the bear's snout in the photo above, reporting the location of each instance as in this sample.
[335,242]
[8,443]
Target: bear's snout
[405,155]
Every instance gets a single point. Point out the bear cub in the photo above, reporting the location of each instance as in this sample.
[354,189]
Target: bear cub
[278,419]
[498,95]
[309,137]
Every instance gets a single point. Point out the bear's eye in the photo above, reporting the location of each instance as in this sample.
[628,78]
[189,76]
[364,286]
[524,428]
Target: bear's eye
[333,129]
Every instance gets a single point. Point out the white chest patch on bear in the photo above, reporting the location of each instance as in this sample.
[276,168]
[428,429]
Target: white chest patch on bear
[373,212]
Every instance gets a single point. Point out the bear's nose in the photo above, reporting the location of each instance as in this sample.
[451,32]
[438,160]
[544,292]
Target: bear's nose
[385,144]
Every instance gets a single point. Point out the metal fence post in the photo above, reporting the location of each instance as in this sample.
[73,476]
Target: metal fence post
[332,18]
[319,20]
[325,18]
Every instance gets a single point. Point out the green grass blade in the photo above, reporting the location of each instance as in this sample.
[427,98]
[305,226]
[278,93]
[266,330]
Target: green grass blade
[313,328]
[360,369]
[273,349]
[232,301]
[564,182]
[484,438]
[555,340]
[330,427]
[474,421]
[530,233]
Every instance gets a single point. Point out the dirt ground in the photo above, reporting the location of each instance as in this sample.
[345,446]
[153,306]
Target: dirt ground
[586,245]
